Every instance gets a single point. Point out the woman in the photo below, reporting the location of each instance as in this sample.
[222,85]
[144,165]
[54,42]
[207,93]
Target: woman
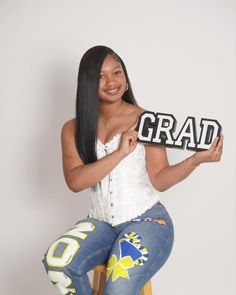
[127,227]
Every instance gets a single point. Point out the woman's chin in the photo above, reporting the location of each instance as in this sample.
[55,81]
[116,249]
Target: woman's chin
[111,97]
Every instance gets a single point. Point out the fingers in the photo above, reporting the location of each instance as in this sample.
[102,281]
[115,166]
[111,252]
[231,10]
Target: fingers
[133,127]
[214,144]
[132,135]
[219,148]
[217,141]
[216,148]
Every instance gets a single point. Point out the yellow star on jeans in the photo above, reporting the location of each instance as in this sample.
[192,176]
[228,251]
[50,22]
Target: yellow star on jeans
[119,268]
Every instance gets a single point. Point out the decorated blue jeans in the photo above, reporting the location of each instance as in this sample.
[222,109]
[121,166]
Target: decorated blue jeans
[134,251]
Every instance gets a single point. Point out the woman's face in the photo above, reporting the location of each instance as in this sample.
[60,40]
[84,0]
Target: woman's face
[112,83]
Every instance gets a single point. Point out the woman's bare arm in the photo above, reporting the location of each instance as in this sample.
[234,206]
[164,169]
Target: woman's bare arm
[79,176]
[163,176]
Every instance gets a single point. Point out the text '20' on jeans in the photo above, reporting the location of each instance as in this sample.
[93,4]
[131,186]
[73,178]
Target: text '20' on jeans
[134,250]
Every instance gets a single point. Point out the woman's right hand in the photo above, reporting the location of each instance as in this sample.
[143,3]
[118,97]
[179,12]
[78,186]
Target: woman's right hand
[128,140]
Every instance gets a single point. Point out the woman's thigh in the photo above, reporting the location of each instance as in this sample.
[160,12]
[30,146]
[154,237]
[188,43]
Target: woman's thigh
[139,251]
[82,247]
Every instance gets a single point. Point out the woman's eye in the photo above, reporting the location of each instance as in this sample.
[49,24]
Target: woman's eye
[101,76]
[117,72]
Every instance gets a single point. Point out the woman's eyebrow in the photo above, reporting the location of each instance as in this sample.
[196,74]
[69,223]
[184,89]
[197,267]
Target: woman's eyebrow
[116,67]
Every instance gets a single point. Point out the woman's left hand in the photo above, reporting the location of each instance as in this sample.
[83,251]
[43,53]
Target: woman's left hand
[213,154]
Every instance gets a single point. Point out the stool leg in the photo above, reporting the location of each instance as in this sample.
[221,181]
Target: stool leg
[96,282]
[147,289]
[102,282]
[99,279]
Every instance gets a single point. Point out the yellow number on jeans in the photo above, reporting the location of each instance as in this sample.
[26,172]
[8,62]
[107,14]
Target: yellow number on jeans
[71,246]
[78,229]
[62,281]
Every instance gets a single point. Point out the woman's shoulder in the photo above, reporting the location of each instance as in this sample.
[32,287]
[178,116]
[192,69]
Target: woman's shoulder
[69,126]
[137,111]
[70,122]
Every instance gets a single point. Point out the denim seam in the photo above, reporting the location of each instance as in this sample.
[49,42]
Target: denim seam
[82,284]
[151,268]
[81,281]
[146,275]
[95,254]
[171,238]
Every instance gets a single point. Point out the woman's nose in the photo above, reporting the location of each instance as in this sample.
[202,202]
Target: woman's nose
[110,81]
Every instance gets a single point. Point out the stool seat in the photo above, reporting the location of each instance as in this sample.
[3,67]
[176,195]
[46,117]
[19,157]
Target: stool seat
[99,279]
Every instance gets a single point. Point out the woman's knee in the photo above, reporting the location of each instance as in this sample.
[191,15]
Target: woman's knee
[70,251]
[62,264]
[61,253]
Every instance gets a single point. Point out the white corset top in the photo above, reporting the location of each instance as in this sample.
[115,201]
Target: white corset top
[126,192]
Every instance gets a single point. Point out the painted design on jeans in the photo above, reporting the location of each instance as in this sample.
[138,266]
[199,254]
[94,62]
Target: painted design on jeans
[131,254]
[148,219]
[119,267]
[62,252]
[62,281]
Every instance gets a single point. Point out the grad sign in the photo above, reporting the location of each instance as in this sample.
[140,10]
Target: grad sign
[158,128]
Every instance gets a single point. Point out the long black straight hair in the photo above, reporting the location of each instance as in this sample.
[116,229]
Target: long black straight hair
[87,100]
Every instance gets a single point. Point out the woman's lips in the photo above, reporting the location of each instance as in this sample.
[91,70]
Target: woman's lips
[112,91]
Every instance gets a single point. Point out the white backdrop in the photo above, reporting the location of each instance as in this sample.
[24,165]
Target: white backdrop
[180,57]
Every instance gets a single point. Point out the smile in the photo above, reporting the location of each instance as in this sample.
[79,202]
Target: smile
[112,91]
